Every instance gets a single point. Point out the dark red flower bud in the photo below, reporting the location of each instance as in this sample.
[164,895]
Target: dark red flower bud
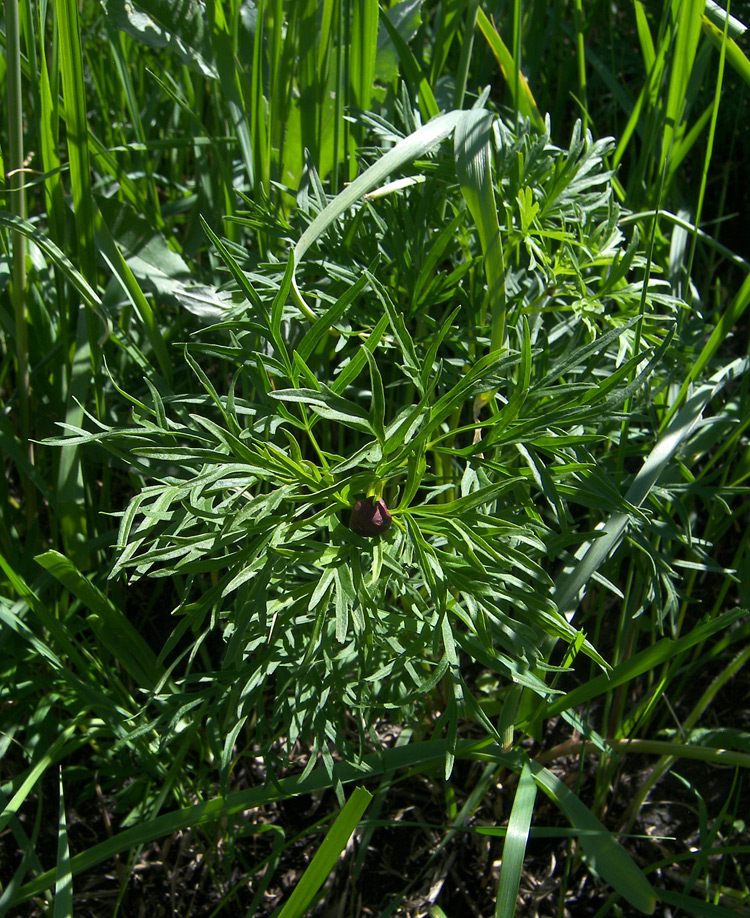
[370,518]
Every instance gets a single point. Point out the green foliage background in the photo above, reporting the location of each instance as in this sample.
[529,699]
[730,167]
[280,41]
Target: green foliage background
[267,259]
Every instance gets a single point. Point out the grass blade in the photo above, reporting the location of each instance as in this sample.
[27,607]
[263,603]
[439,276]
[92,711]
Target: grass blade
[416,144]
[64,881]
[18,206]
[592,555]
[683,58]
[514,849]
[601,850]
[71,66]
[114,630]
[523,98]
[473,147]
[326,856]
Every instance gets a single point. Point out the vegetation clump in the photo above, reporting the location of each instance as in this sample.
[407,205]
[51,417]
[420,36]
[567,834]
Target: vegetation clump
[370,437]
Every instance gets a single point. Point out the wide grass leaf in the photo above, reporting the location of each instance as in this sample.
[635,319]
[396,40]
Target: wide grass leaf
[113,629]
[602,852]
[327,854]
[514,849]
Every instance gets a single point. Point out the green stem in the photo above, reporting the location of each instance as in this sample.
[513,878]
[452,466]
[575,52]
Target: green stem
[18,207]
[581,55]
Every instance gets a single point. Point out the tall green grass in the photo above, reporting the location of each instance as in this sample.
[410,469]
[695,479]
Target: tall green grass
[261,261]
